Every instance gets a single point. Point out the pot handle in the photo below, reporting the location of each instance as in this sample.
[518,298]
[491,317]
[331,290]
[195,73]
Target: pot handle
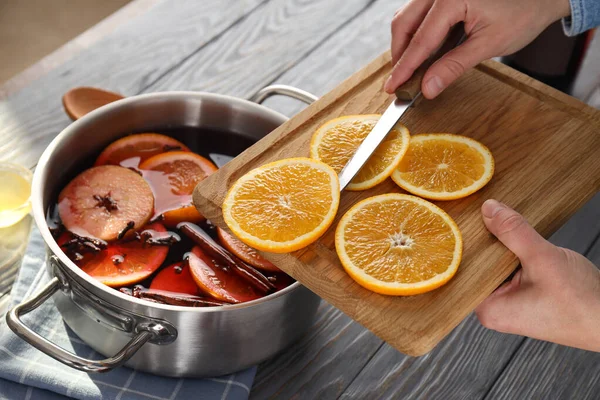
[58,353]
[283,90]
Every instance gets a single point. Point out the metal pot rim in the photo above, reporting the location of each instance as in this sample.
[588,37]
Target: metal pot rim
[40,215]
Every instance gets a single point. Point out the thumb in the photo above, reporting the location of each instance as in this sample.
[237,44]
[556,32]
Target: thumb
[514,232]
[503,310]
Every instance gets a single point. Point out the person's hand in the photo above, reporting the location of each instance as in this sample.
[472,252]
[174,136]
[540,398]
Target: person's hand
[494,28]
[554,297]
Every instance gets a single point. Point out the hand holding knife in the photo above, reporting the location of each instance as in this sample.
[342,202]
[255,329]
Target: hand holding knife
[406,96]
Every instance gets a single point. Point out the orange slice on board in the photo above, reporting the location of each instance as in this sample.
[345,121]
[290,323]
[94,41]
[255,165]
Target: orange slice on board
[336,141]
[245,253]
[102,201]
[397,244]
[132,150]
[173,177]
[283,206]
[442,166]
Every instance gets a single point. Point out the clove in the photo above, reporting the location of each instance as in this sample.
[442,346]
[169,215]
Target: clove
[77,246]
[107,202]
[127,228]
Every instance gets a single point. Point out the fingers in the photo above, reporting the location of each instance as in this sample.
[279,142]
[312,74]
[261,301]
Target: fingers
[515,233]
[405,23]
[452,65]
[502,310]
[434,28]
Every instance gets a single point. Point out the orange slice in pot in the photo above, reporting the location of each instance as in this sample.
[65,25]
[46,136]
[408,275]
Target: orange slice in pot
[217,281]
[443,166]
[244,252]
[175,278]
[283,206]
[124,263]
[336,141]
[173,177]
[102,201]
[398,244]
[137,148]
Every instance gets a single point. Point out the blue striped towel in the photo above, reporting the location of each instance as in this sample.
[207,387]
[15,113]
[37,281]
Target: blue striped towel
[26,373]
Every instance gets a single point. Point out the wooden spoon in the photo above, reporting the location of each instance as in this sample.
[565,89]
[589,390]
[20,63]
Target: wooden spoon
[82,100]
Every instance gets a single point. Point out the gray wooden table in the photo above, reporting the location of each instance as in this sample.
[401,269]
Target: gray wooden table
[237,47]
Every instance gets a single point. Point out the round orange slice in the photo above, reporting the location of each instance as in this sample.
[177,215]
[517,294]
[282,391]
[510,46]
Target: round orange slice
[136,148]
[397,244]
[244,252]
[442,166]
[336,141]
[283,206]
[173,177]
[124,263]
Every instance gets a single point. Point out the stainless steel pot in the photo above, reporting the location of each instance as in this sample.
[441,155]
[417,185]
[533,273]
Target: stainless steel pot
[161,339]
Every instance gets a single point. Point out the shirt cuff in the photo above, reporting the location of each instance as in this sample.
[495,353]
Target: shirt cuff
[585,14]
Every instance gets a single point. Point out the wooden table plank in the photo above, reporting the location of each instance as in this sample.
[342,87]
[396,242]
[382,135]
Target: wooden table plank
[320,365]
[342,55]
[91,36]
[463,366]
[127,61]
[255,52]
[544,370]
[477,356]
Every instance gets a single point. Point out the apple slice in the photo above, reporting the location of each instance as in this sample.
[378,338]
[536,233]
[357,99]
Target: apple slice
[105,202]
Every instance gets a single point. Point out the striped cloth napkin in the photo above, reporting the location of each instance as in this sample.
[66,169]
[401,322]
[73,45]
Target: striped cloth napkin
[26,373]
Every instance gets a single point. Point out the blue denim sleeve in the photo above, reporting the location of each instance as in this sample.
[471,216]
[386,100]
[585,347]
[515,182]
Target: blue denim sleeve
[585,14]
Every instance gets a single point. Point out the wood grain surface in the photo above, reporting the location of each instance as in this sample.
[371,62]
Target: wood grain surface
[127,61]
[250,55]
[183,45]
[83,41]
[545,150]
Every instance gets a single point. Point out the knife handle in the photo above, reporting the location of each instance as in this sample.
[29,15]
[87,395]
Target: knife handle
[412,87]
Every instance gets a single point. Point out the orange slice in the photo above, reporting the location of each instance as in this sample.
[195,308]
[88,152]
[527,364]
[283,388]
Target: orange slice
[336,141]
[124,263]
[244,252]
[136,148]
[283,206]
[219,282]
[398,244]
[173,177]
[176,278]
[442,166]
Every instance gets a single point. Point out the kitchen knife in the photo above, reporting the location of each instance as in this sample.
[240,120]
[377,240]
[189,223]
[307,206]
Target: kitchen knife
[406,96]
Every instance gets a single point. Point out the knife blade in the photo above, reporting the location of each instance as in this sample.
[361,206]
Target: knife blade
[406,96]
[387,121]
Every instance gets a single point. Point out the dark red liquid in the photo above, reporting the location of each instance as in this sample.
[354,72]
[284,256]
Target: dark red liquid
[174,274]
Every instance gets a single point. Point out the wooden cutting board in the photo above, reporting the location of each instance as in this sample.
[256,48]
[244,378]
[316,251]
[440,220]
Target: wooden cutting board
[547,151]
